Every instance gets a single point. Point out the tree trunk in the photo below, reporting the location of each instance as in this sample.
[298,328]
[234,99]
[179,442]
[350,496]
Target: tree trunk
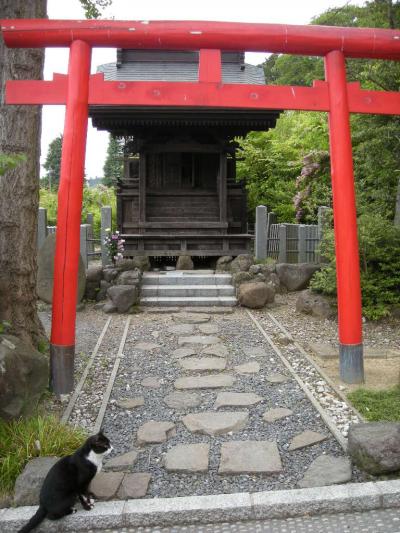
[20,129]
[397,206]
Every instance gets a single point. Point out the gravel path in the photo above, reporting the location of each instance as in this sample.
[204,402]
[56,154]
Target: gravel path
[237,332]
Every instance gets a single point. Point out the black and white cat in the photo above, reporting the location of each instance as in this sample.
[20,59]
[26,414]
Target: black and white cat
[68,480]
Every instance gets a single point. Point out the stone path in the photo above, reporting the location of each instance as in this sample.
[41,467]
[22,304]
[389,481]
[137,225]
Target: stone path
[210,409]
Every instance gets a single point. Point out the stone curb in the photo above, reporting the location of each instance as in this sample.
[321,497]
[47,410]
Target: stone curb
[351,497]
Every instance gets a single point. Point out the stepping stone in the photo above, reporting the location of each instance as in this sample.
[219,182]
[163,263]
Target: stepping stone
[210,423]
[181,328]
[122,462]
[213,381]
[327,470]
[250,457]
[307,438]
[255,351]
[105,484]
[146,346]
[182,400]
[236,399]
[248,368]
[191,318]
[134,486]
[130,403]
[153,432]
[209,329]
[152,382]
[203,363]
[187,458]
[199,339]
[276,378]
[179,353]
[276,414]
[219,350]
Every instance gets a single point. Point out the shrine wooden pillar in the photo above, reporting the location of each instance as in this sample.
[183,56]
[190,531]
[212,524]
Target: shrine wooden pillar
[62,344]
[345,222]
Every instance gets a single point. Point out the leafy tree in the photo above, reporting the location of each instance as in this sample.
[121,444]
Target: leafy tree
[93,8]
[113,164]
[53,163]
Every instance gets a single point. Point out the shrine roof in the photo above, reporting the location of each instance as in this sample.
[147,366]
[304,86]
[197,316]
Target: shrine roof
[167,65]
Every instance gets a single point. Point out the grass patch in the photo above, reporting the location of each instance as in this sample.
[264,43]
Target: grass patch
[377,405]
[21,440]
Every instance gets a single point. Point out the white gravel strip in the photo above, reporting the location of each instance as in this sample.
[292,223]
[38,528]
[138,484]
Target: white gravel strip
[74,397]
[325,417]
[339,411]
[110,385]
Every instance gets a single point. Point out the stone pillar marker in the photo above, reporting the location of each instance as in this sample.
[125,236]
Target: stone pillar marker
[261,232]
[105,224]
[42,227]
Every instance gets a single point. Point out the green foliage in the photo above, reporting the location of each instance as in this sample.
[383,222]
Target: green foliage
[93,7]
[113,166]
[93,199]
[53,164]
[23,439]
[379,248]
[271,162]
[10,161]
[377,405]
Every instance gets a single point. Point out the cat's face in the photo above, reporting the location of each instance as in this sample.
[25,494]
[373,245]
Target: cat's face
[100,444]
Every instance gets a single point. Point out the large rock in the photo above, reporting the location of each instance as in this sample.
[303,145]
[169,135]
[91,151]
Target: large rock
[314,304]
[123,297]
[129,277]
[375,446]
[110,273]
[92,288]
[141,262]
[94,273]
[224,263]
[295,277]
[255,295]
[102,292]
[241,277]
[46,271]
[24,377]
[184,262]
[212,381]
[29,482]
[241,263]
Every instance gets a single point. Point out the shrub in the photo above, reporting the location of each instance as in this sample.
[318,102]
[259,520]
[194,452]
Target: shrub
[379,248]
[21,440]
[93,199]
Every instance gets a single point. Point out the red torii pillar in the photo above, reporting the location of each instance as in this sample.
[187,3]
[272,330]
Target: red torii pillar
[335,96]
[66,262]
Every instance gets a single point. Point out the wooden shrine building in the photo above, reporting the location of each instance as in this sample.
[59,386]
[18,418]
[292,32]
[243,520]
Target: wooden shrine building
[178,193]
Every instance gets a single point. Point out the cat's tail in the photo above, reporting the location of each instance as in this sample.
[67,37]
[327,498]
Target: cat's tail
[38,517]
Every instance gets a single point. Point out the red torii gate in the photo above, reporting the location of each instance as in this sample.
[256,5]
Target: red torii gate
[78,89]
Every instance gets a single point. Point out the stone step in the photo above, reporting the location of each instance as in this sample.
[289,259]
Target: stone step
[184,301]
[178,277]
[188,290]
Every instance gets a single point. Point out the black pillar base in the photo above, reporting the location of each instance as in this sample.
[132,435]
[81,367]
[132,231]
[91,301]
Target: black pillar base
[62,369]
[351,363]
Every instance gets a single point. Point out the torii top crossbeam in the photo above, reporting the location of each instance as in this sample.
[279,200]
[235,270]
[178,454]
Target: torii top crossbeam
[184,35]
[78,89]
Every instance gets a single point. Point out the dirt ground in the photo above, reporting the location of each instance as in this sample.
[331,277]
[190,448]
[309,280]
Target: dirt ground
[379,373]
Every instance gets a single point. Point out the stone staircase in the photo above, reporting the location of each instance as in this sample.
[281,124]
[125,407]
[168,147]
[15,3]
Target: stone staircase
[187,288]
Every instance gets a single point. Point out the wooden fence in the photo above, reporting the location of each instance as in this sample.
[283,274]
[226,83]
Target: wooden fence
[288,243]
